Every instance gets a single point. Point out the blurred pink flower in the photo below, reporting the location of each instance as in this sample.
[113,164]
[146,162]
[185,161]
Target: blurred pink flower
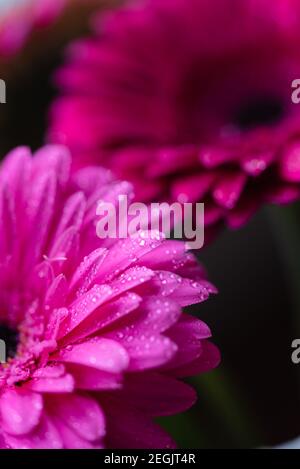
[188,98]
[94,329]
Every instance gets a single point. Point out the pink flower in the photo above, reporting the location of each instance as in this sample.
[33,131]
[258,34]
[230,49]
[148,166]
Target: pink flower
[188,98]
[94,330]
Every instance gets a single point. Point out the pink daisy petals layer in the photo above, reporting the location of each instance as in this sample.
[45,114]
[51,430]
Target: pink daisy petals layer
[95,333]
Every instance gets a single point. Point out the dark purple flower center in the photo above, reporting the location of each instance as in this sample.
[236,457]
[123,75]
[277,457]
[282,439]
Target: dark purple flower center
[11,338]
[265,110]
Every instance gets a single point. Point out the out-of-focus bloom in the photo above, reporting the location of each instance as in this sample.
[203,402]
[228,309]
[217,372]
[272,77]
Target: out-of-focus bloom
[94,329]
[188,98]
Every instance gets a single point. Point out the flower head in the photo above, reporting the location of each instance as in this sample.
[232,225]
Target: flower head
[188,98]
[95,334]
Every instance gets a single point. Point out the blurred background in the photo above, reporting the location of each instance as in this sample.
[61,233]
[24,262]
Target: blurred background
[253,398]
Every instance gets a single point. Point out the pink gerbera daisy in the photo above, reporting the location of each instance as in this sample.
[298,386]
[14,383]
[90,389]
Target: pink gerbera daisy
[188,98]
[95,333]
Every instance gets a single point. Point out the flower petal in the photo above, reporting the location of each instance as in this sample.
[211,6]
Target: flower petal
[101,353]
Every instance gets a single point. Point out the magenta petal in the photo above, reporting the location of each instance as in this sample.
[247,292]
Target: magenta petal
[59,384]
[54,158]
[173,256]
[20,411]
[91,379]
[9,220]
[44,436]
[212,157]
[193,188]
[208,360]
[72,214]
[126,252]
[188,334]
[191,292]
[256,164]
[171,159]
[84,306]
[16,168]
[56,293]
[228,190]
[64,246]
[130,279]
[154,316]
[39,213]
[87,271]
[100,353]
[81,413]
[50,371]
[284,194]
[147,351]
[109,314]
[128,428]
[290,163]
[70,438]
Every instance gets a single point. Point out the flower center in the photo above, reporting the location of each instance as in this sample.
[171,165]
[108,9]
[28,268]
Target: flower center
[260,111]
[11,339]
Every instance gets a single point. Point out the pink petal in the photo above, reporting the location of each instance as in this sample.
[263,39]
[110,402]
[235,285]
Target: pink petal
[72,214]
[71,439]
[208,360]
[227,192]
[81,413]
[126,252]
[193,187]
[188,334]
[290,163]
[44,436]
[284,194]
[91,379]
[54,158]
[156,394]
[107,315]
[256,164]
[39,213]
[15,170]
[212,157]
[84,306]
[149,352]
[128,428]
[20,411]
[87,271]
[100,353]
[172,159]
[61,384]
[56,293]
